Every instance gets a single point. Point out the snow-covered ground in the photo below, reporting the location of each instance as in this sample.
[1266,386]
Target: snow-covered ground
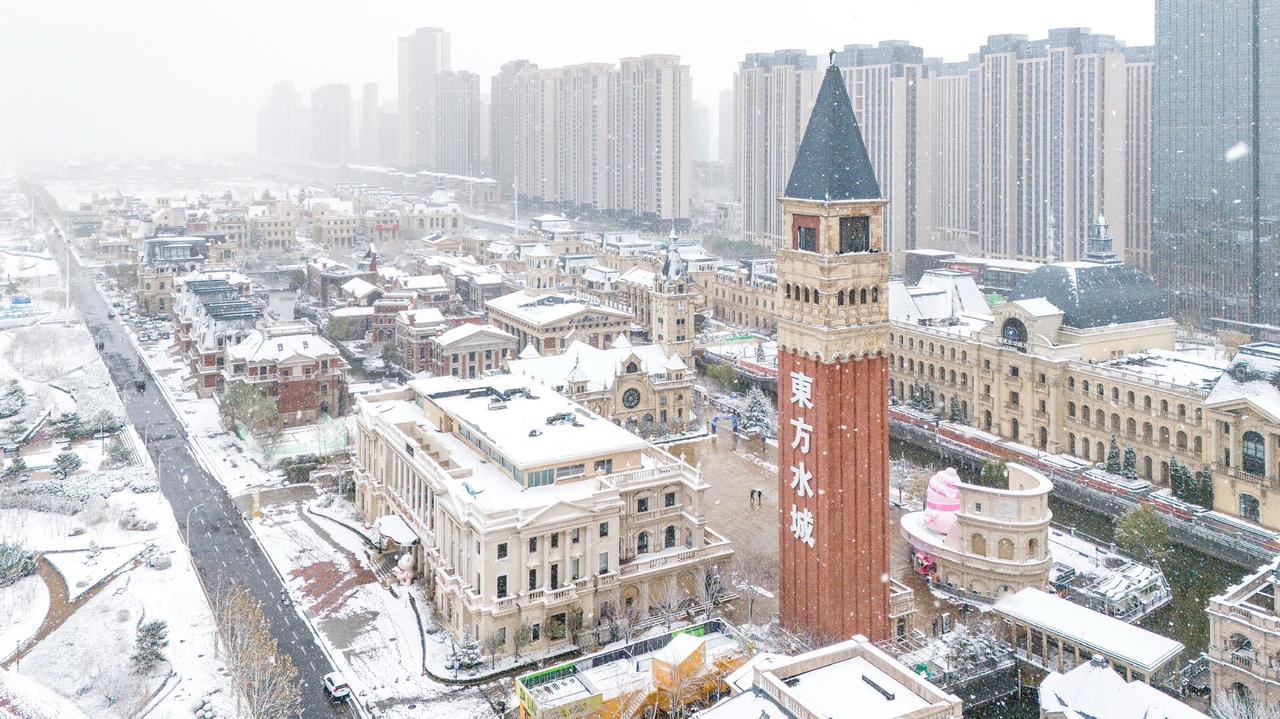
[371,632]
[83,636]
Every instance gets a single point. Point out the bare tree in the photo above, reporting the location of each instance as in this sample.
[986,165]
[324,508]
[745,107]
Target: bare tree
[1242,705]
[666,602]
[626,625]
[755,572]
[713,586]
[493,644]
[524,637]
[267,678]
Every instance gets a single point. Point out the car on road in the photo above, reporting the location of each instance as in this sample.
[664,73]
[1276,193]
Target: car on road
[336,687]
[111,314]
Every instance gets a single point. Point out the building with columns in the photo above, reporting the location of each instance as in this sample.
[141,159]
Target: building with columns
[833,331]
[528,509]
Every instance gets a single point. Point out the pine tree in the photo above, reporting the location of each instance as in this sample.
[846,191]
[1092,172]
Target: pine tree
[468,652]
[1176,481]
[928,398]
[1113,456]
[957,414]
[1130,468]
[15,469]
[756,415]
[148,650]
[1203,495]
[66,463]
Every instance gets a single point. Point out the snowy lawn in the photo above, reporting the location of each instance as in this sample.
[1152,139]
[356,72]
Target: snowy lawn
[82,570]
[23,605]
[372,633]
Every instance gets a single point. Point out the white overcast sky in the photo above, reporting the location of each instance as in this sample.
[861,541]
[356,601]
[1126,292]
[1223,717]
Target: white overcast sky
[175,76]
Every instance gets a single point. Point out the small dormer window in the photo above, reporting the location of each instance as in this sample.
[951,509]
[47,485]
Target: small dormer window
[632,368]
[279,347]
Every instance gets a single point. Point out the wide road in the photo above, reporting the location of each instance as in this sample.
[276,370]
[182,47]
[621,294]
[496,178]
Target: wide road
[221,545]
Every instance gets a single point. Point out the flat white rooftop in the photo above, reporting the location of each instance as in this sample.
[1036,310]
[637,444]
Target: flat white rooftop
[1091,630]
[521,428]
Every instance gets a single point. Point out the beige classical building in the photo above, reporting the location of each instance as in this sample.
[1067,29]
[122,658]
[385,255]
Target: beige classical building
[1244,642]
[745,295]
[1242,417]
[984,542]
[331,227]
[1084,351]
[642,388]
[552,321]
[523,509]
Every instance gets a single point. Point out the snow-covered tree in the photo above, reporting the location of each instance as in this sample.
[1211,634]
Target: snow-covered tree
[66,462]
[15,469]
[493,644]
[524,637]
[756,415]
[1143,534]
[467,653]
[148,648]
[928,398]
[1129,467]
[957,412]
[1114,465]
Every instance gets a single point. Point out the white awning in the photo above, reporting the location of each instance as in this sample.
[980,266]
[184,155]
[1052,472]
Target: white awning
[392,527]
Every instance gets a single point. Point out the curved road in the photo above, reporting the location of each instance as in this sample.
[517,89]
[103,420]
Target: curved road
[221,545]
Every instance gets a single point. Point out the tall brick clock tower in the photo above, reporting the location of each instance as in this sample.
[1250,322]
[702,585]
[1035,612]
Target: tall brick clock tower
[833,330]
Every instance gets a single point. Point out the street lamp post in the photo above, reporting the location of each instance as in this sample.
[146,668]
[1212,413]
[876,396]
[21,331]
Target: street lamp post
[187,537]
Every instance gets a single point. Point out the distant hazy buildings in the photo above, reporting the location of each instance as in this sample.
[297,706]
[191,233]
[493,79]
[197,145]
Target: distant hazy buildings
[596,136]
[422,56]
[701,131]
[370,117]
[773,96]
[1209,165]
[457,124]
[1011,154]
[282,124]
[331,124]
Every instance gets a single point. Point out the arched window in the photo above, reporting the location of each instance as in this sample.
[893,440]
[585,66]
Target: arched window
[875,294]
[1130,398]
[1115,394]
[1130,428]
[1254,452]
[1182,440]
[1164,406]
[953,354]
[1250,507]
[840,302]
[1015,429]
[1033,548]
[1071,443]
[787,288]
[669,538]
[1164,436]
[978,545]
[1198,445]
[953,376]
[1085,386]
[1115,422]
[1102,418]
[642,543]
[964,379]
[1004,548]
[862,296]
[1146,403]
[1071,383]
[1146,468]
[1086,415]
[806,294]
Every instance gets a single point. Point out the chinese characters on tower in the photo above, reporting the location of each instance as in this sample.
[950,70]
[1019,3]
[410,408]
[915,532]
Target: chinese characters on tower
[801,478]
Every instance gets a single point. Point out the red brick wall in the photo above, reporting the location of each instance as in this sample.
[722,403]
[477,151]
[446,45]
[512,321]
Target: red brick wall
[840,586]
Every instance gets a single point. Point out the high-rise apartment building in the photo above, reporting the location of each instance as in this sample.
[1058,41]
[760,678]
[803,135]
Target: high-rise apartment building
[1054,117]
[422,56]
[367,147]
[457,123]
[724,123]
[773,96]
[1012,154]
[1217,176]
[331,123]
[701,131]
[282,124]
[596,136]
[884,85]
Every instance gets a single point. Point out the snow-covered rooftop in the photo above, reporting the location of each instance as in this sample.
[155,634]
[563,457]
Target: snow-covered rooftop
[520,429]
[262,347]
[542,310]
[1193,371]
[359,287]
[468,330]
[598,367]
[1252,378]
[1095,691]
[1090,630]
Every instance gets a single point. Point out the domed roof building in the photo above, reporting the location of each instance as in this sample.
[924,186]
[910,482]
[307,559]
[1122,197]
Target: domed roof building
[1098,291]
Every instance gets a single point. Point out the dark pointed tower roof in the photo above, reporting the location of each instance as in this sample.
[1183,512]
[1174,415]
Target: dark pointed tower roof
[832,163]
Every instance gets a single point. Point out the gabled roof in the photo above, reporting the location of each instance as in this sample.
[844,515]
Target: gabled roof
[464,332]
[832,163]
[1251,383]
